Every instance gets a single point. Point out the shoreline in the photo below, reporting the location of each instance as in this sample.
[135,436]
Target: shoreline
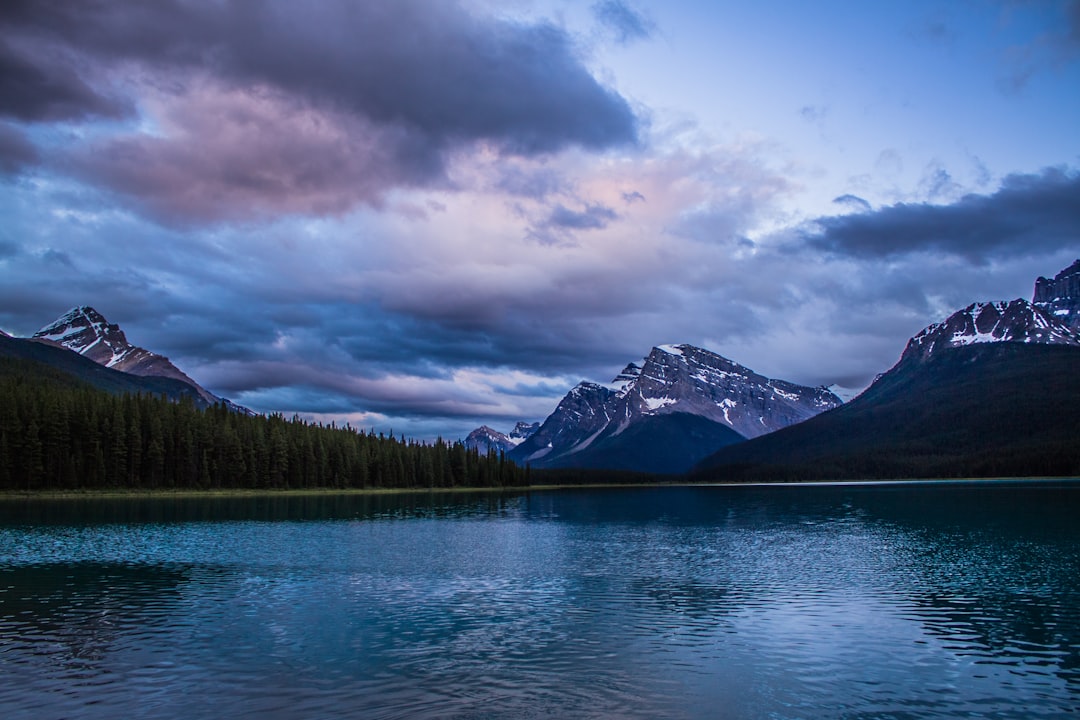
[164,493]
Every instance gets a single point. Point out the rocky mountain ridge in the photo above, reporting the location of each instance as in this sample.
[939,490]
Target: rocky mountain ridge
[1060,297]
[85,331]
[485,439]
[989,322]
[673,380]
[987,392]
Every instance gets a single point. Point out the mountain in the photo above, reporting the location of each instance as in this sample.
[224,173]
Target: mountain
[485,439]
[990,391]
[522,431]
[60,363]
[85,331]
[1060,297]
[1012,321]
[667,413]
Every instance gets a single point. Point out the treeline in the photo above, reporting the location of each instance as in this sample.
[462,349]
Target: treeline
[57,433]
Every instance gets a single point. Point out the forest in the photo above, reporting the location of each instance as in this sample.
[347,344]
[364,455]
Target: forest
[58,433]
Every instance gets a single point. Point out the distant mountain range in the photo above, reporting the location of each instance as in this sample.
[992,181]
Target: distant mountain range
[485,439]
[81,342]
[964,399]
[992,390]
[664,415]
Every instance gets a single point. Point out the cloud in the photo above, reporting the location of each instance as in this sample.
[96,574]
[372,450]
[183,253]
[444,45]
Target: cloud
[41,84]
[593,217]
[1055,44]
[16,151]
[379,95]
[1027,214]
[236,155]
[420,326]
[622,21]
[853,202]
[813,113]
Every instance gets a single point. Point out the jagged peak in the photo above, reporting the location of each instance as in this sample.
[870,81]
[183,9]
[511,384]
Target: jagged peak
[1066,283]
[588,387]
[986,322]
[523,429]
[630,372]
[79,316]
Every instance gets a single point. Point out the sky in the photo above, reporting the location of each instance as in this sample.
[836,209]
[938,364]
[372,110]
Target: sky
[421,216]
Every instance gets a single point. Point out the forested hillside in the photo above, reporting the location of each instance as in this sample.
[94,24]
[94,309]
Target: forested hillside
[983,410]
[59,433]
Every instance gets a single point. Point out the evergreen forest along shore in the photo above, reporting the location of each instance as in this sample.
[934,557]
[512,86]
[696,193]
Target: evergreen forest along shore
[58,433]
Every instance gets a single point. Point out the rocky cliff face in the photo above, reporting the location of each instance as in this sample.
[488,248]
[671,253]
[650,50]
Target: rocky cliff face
[522,432]
[578,419]
[684,378]
[86,331]
[1060,297]
[1012,321]
[674,380]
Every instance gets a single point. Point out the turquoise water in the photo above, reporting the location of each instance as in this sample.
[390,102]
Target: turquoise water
[897,601]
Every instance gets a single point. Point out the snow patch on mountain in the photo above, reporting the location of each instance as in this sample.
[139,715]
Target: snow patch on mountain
[485,439]
[674,379]
[990,322]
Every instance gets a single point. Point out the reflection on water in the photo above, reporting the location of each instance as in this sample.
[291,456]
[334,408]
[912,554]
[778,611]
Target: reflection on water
[909,601]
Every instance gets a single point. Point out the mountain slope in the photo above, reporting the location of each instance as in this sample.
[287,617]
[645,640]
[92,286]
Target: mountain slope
[661,444]
[85,331]
[979,410]
[641,421]
[85,370]
[687,379]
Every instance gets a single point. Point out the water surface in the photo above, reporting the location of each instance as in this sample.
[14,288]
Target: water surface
[905,601]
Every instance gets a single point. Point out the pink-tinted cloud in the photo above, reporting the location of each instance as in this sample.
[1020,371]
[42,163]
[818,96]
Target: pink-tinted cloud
[224,154]
[305,96]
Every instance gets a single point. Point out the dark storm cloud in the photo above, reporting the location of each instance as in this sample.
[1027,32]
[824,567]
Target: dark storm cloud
[252,156]
[433,68]
[41,84]
[16,152]
[1029,213]
[624,22]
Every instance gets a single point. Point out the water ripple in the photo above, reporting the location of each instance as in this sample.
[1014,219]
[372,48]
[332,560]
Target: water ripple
[721,602]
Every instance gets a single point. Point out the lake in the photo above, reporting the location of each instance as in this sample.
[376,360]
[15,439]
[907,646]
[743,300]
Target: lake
[916,600]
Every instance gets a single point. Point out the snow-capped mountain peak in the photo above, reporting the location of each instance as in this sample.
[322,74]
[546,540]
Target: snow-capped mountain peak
[522,431]
[988,322]
[86,331]
[485,439]
[689,379]
[678,380]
